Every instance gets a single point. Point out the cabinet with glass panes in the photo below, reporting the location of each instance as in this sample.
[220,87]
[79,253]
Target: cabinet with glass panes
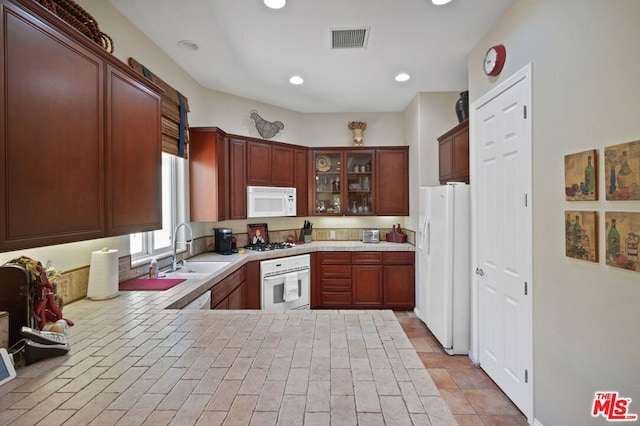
[328,176]
[359,185]
[343,182]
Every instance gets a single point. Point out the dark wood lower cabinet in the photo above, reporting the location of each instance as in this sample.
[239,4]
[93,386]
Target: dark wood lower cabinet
[362,280]
[366,285]
[253,300]
[240,290]
[341,280]
[399,289]
[234,300]
[228,294]
[236,297]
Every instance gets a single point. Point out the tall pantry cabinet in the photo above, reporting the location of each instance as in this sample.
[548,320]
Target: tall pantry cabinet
[80,153]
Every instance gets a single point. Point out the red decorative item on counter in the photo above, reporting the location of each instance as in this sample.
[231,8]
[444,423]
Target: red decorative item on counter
[396,235]
[42,294]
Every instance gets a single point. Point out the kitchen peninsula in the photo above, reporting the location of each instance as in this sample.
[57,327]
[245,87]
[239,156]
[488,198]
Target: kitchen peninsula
[134,361]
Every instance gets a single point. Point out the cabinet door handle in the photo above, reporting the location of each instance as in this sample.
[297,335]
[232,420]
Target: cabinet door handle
[480,272]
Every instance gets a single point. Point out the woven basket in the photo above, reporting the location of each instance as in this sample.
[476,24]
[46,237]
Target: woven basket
[74,15]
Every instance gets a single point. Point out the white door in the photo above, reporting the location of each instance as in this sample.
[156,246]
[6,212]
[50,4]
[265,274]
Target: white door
[503,236]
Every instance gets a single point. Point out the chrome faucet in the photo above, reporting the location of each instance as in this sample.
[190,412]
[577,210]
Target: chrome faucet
[189,242]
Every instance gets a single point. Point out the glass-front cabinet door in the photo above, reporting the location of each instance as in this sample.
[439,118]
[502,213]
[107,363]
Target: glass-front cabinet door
[328,182]
[343,182]
[359,184]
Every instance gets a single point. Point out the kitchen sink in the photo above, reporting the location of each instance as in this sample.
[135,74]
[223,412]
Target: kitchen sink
[195,270]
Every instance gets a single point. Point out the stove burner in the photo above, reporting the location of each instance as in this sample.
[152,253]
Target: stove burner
[268,246]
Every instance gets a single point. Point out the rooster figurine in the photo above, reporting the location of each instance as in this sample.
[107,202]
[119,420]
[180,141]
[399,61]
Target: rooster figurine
[266,129]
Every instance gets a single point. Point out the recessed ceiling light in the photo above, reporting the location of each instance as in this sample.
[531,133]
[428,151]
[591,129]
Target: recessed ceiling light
[403,76]
[188,45]
[275,4]
[296,79]
[440,2]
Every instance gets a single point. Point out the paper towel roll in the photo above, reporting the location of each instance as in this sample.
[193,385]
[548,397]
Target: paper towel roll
[103,274]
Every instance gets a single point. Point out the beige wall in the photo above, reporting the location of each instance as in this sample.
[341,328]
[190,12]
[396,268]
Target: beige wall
[428,116]
[585,89]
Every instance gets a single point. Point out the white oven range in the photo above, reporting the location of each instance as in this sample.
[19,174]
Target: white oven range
[285,283]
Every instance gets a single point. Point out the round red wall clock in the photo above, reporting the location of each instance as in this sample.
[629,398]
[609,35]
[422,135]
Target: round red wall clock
[494,60]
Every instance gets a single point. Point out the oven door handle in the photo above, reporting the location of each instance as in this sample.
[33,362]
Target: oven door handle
[304,271]
[276,278]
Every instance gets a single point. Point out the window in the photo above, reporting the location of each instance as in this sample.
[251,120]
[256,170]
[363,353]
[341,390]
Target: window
[145,245]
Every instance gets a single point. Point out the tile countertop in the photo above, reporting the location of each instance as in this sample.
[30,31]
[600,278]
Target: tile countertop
[133,361]
[186,292]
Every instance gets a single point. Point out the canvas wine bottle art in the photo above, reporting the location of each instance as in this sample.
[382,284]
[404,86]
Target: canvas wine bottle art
[581,176]
[581,235]
[622,230]
[622,164]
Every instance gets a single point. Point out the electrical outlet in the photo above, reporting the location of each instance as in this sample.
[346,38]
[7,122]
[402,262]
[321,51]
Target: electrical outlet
[332,235]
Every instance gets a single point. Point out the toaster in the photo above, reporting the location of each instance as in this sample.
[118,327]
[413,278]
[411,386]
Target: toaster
[370,235]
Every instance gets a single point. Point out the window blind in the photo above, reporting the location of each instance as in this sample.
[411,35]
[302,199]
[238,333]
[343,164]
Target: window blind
[175,109]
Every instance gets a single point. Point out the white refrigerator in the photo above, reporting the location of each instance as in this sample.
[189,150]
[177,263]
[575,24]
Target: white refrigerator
[443,265]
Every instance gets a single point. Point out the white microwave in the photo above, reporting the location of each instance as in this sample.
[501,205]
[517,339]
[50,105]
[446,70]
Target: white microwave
[267,201]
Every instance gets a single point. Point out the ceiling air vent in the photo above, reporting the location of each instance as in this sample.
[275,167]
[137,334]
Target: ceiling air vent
[349,38]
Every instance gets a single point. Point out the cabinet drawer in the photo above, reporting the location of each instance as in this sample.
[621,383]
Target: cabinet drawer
[335,271]
[226,286]
[335,257]
[335,299]
[335,284]
[367,257]
[399,257]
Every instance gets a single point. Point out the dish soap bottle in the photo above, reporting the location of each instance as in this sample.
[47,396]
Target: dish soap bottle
[153,268]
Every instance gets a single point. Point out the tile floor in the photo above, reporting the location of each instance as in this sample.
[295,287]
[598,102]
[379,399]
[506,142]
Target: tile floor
[474,399]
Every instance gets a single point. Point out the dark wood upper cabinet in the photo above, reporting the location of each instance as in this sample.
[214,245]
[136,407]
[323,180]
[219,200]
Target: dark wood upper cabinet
[270,164]
[208,175]
[134,156]
[258,163]
[453,148]
[282,162]
[222,165]
[301,180]
[392,182]
[52,159]
[78,128]
[217,175]
[237,178]
[360,181]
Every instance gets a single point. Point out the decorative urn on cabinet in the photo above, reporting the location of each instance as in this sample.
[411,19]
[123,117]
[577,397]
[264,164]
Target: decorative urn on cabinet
[357,128]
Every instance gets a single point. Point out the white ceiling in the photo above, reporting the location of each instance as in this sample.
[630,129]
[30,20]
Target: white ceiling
[248,50]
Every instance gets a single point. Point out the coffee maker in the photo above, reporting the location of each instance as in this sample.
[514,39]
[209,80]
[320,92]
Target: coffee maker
[223,241]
